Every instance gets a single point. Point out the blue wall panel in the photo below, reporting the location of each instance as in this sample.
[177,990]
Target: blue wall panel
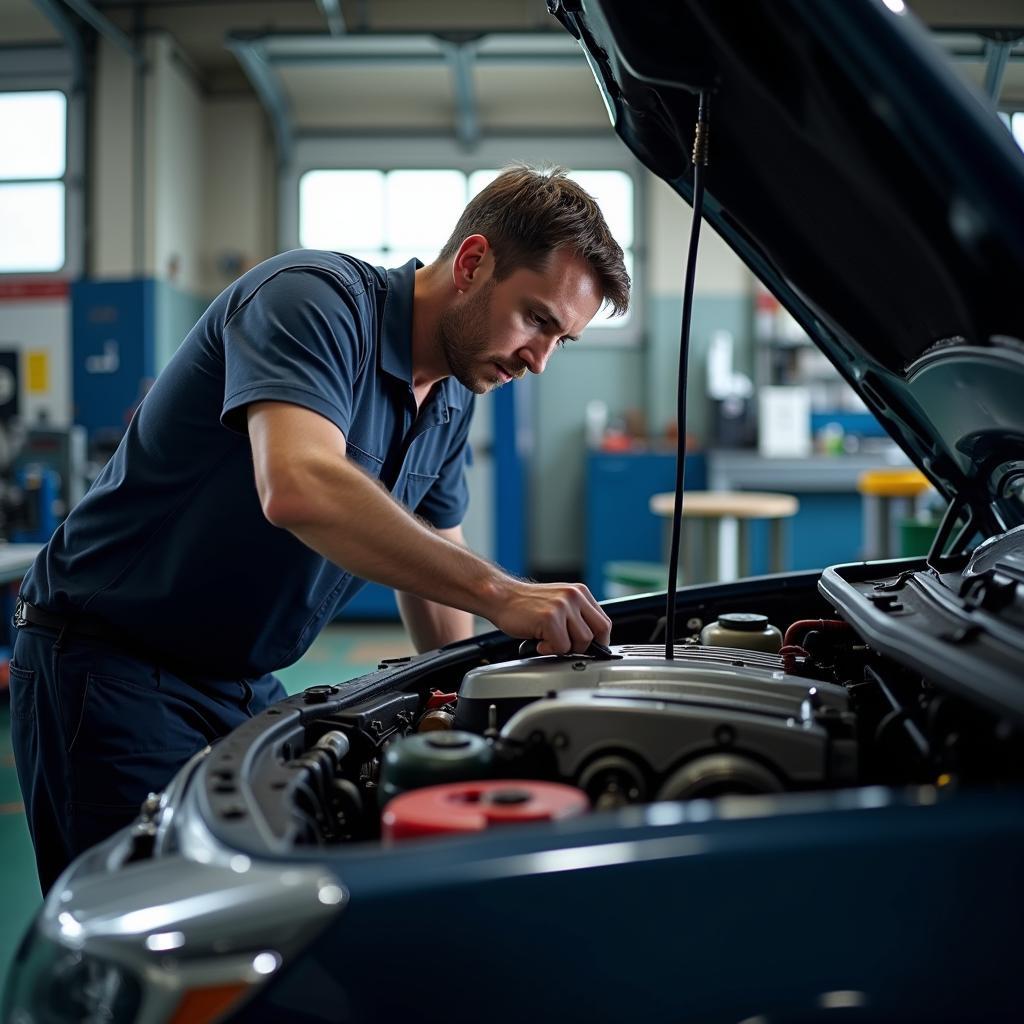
[113,351]
[619,523]
[826,531]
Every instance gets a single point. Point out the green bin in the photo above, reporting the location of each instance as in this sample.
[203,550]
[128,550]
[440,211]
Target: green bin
[916,536]
[622,579]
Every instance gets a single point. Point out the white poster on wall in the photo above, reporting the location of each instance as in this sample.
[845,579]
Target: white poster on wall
[35,322]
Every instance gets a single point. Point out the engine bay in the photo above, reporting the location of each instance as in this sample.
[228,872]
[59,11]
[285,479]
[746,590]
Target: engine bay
[483,735]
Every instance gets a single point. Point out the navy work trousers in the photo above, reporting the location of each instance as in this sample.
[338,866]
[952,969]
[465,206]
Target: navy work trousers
[95,730]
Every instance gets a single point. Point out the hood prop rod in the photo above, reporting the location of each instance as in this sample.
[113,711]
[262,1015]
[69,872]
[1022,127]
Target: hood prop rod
[700,161]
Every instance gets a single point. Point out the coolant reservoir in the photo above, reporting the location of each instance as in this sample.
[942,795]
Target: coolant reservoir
[432,758]
[743,630]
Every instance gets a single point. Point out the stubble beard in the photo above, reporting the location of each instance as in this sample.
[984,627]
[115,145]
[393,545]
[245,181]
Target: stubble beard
[462,335]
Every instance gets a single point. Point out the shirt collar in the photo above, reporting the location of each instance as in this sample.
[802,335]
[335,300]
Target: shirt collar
[396,336]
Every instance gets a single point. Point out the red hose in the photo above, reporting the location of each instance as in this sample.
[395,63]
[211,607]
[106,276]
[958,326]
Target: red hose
[806,625]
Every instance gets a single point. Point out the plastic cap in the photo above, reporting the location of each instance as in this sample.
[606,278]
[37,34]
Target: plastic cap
[748,622]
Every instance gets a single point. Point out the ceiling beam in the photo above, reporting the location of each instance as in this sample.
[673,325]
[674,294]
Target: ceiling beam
[58,17]
[106,28]
[297,48]
[331,10]
[997,53]
[262,55]
[267,84]
[467,121]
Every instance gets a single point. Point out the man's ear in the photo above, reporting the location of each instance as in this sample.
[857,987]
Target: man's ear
[468,261]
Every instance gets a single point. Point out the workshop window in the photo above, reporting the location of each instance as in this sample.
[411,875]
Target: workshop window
[33,161]
[387,217]
[1017,127]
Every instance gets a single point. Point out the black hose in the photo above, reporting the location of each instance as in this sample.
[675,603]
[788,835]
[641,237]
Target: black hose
[700,159]
[898,714]
[308,815]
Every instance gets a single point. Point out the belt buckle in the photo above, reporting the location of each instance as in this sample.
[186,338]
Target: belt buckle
[19,613]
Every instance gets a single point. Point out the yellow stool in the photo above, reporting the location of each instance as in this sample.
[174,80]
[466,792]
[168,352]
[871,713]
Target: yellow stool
[888,496]
[713,508]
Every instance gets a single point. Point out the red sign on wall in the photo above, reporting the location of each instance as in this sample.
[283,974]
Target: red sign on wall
[22,291]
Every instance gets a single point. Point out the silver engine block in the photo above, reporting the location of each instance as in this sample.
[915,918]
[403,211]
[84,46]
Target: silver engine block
[713,720]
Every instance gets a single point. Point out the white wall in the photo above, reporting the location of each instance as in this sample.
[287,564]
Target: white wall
[113,177]
[239,198]
[174,168]
[719,270]
[156,178]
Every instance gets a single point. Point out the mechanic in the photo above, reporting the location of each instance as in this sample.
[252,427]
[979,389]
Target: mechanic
[309,434]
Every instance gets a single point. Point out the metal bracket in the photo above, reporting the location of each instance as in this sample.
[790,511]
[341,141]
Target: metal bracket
[252,56]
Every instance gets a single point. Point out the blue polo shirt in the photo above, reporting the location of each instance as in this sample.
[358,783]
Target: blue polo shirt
[170,545]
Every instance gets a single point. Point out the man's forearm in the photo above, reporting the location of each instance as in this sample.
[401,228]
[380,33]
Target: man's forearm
[430,624]
[350,519]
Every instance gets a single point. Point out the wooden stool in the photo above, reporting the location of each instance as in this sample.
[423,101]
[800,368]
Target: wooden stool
[709,509]
[887,496]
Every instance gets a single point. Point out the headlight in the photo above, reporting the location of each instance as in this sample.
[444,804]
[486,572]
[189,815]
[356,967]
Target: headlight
[52,984]
[181,938]
[165,942]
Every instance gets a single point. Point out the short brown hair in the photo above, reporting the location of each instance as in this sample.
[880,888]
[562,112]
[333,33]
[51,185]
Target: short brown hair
[527,213]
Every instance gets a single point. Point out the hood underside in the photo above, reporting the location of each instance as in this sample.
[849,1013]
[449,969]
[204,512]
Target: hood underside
[876,195]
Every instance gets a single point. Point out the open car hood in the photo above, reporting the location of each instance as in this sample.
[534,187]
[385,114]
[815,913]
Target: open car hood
[876,195]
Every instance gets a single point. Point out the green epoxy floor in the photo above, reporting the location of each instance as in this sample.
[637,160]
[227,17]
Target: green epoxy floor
[340,653]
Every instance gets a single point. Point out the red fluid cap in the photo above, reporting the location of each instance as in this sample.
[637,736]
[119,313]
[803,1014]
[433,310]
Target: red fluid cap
[473,806]
[438,699]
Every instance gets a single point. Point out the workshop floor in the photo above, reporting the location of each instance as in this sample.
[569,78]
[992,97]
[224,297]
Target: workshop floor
[341,652]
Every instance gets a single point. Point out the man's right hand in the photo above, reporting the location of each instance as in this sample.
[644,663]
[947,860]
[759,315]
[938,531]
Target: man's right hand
[563,617]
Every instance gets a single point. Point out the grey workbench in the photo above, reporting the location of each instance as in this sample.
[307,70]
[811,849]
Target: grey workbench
[828,529]
[15,560]
[748,471]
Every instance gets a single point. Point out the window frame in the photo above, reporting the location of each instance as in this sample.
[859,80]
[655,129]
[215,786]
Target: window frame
[49,69]
[379,154]
[1014,119]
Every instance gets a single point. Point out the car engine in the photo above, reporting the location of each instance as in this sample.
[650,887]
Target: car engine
[636,727]
[623,727]
[809,683]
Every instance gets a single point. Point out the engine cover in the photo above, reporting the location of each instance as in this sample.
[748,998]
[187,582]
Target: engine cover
[713,720]
[725,676]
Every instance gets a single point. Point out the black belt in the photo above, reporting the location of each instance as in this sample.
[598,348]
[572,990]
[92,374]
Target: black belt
[26,614]
[66,626]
